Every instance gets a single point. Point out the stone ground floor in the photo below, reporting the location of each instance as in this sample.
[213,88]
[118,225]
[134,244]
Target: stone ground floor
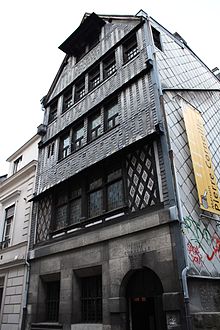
[120,277]
[12,295]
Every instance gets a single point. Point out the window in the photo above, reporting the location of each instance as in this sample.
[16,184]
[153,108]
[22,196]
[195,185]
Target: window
[94,78]
[91,299]
[78,135]
[95,199]
[109,65]
[67,99]
[64,146]
[94,126]
[68,206]
[9,215]
[17,164]
[75,205]
[105,193]
[156,37]
[89,196]
[111,114]
[50,150]
[79,89]
[61,210]
[52,300]
[2,279]
[130,48]
[115,194]
[52,112]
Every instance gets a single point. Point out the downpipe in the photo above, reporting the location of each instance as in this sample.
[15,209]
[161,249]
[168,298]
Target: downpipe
[24,314]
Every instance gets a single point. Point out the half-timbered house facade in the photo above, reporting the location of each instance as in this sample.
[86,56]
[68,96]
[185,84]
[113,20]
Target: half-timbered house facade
[116,208]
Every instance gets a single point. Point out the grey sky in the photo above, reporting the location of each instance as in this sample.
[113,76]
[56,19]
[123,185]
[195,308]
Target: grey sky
[32,30]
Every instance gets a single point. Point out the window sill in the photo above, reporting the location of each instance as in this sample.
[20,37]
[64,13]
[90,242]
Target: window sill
[89,222]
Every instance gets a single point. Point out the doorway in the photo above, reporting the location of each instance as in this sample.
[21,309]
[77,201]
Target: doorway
[144,299]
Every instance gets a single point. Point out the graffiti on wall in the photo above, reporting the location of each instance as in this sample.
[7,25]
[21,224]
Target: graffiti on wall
[203,240]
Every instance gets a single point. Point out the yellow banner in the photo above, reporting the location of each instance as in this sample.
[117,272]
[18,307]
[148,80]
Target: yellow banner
[206,183]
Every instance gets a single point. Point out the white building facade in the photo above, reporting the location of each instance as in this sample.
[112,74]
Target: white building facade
[15,210]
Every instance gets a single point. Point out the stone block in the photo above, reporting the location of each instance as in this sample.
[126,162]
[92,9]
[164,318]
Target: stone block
[117,305]
[206,321]
[172,301]
[13,318]
[18,281]
[8,309]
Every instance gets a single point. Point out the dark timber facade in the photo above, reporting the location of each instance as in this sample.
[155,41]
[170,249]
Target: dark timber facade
[111,232]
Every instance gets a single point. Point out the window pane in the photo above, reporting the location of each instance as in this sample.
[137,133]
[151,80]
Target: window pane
[111,114]
[109,65]
[75,211]
[79,90]
[94,127]
[115,195]
[61,217]
[78,138]
[52,301]
[91,299]
[130,48]
[94,78]
[95,203]
[64,146]
[52,112]
[10,211]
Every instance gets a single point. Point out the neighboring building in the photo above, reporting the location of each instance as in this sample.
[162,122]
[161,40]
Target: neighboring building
[15,211]
[119,240]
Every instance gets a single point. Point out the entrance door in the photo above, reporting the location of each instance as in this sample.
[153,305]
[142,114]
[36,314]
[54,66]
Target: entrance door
[143,313]
[144,296]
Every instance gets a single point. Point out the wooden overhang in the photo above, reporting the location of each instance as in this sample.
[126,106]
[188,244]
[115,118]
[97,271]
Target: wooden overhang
[73,44]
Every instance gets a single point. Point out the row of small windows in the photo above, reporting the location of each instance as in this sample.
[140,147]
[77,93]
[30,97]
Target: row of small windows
[75,138]
[101,71]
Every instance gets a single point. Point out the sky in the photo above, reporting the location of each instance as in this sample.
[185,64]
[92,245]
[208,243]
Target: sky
[32,30]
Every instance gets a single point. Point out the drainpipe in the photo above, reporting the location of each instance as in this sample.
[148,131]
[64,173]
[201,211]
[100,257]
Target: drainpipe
[166,143]
[25,296]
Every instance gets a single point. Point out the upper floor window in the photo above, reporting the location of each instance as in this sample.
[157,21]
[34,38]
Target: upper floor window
[64,146]
[50,150]
[80,89]
[105,192]
[94,78]
[17,164]
[52,112]
[130,48]
[109,65]
[67,99]
[94,126]
[101,190]
[9,215]
[111,114]
[156,37]
[68,209]
[78,135]
[2,280]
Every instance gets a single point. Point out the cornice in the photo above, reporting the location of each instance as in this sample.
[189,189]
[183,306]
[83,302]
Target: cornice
[18,177]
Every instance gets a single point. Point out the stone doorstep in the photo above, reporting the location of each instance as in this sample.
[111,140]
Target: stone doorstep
[87,326]
[46,326]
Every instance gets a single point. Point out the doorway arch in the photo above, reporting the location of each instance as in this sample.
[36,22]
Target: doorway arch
[143,293]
